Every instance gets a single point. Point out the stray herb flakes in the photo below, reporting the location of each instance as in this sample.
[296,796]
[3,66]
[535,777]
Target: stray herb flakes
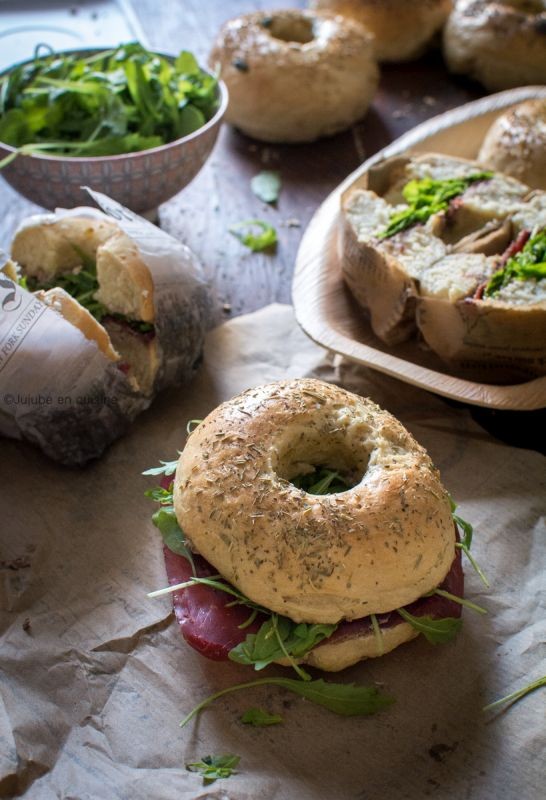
[264,238]
[214,767]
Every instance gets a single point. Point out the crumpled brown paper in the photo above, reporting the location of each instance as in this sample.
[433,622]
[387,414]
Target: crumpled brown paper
[95,677]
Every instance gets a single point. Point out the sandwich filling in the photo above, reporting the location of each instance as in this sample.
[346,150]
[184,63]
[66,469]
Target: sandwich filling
[218,621]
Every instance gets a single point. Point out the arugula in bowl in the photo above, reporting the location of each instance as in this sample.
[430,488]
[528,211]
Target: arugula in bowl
[103,103]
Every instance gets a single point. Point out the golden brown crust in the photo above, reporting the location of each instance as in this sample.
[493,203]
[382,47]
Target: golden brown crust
[334,656]
[294,76]
[516,143]
[377,546]
[401,29]
[501,43]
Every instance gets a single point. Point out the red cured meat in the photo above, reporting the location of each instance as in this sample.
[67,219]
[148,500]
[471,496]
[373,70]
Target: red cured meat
[210,625]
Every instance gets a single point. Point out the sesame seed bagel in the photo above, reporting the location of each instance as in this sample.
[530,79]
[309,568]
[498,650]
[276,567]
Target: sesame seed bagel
[501,43]
[294,76]
[379,545]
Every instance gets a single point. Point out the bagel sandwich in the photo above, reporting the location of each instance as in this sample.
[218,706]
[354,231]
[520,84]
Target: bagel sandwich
[303,525]
[90,271]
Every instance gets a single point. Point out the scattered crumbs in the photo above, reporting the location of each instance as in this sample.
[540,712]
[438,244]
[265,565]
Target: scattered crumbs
[17,563]
[428,100]
[26,625]
[293,222]
[405,111]
[439,751]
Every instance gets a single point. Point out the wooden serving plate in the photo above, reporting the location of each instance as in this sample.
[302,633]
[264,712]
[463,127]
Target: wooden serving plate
[328,314]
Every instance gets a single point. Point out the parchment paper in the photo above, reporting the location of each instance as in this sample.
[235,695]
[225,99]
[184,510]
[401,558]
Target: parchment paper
[95,677]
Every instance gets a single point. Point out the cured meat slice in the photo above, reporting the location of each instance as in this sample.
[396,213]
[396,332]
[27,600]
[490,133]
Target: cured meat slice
[211,624]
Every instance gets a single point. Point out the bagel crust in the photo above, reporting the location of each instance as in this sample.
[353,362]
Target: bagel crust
[401,29]
[501,43]
[294,76]
[373,548]
[516,143]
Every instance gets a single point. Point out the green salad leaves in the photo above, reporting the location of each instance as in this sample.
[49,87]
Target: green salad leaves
[426,197]
[529,263]
[117,101]
[214,767]
[345,699]
[255,234]
[266,185]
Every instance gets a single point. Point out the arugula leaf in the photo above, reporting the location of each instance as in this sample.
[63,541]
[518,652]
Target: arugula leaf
[466,541]
[192,424]
[166,468]
[214,767]
[435,631]
[345,699]
[426,197]
[517,695]
[279,637]
[321,481]
[266,185]
[165,521]
[529,263]
[260,718]
[461,600]
[264,239]
[118,101]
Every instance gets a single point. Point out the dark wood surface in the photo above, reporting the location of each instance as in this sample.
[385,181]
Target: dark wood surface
[221,196]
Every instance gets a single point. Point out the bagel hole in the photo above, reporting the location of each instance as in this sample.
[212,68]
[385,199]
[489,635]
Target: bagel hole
[299,30]
[321,466]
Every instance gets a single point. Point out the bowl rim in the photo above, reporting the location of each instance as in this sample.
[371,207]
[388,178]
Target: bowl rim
[211,123]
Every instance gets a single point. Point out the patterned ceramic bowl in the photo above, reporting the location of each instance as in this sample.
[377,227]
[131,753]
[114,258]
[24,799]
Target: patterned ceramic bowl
[141,181]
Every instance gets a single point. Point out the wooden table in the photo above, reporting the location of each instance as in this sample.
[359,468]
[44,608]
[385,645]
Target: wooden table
[221,196]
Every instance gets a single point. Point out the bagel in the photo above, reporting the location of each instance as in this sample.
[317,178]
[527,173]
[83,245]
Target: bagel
[516,143]
[295,76]
[501,43]
[383,539]
[401,30]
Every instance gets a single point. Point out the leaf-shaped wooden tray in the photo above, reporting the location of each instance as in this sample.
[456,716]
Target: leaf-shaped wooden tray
[329,315]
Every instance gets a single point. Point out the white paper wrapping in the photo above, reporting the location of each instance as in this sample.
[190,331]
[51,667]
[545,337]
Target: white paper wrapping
[96,677]
[56,388]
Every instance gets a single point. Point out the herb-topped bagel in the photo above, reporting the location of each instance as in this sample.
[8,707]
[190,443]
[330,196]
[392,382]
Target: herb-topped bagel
[516,143]
[294,76]
[322,515]
[422,238]
[501,43]
[401,29]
